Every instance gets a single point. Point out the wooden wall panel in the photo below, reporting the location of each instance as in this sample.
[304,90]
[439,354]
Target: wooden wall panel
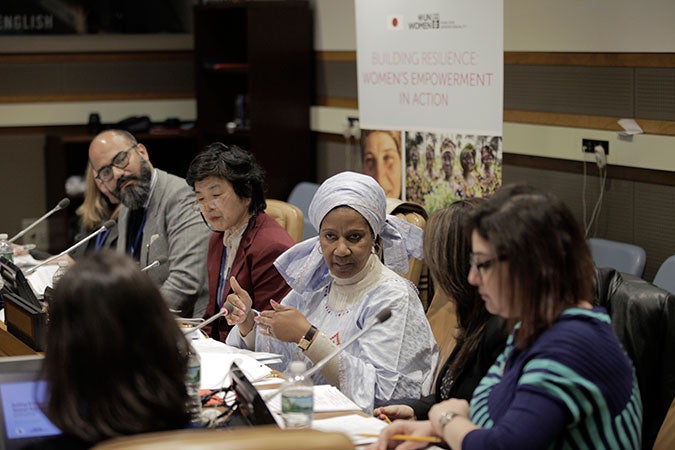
[635,212]
[604,91]
[96,78]
[655,93]
[336,79]
[654,217]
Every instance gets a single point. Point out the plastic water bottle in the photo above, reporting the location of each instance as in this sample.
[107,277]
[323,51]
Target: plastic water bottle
[192,384]
[297,400]
[60,272]
[6,249]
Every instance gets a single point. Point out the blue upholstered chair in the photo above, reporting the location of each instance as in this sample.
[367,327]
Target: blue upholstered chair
[301,196]
[626,258]
[665,276]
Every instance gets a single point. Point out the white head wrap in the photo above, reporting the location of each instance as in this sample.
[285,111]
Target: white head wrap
[303,266]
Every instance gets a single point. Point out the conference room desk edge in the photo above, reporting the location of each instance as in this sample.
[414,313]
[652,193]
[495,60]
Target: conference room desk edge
[10,345]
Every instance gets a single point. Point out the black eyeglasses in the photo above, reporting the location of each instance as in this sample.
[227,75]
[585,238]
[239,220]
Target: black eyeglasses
[121,161]
[483,267]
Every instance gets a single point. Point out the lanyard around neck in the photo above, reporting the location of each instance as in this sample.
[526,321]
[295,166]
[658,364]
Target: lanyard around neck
[222,279]
[139,234]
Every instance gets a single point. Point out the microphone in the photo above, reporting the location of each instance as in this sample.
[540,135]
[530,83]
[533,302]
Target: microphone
[380,317]
[106,226]
[158,262]
[226,310]
[62,204]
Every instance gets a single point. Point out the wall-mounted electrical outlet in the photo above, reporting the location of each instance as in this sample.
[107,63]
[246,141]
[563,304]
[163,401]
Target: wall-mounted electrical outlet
[354,127]
[589,145]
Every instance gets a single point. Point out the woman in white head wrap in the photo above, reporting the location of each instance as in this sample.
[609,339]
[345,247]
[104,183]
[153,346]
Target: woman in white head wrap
[339,285]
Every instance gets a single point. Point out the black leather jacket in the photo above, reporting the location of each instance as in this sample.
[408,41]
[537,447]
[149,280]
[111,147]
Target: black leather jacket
[643,317]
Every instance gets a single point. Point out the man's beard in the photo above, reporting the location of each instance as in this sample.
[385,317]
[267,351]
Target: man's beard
[135,195]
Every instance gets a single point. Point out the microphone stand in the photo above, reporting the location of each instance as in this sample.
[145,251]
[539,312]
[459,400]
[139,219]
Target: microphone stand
[150,266]
[227,310]
[382,316]
[106,226]
[62,204]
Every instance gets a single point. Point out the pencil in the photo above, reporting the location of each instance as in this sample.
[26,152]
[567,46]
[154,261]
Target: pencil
[405,437]
[386,418]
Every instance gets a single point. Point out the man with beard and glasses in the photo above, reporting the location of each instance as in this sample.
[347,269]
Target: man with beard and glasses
[156,220]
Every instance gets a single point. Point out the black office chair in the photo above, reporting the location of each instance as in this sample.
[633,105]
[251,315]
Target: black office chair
[643,317]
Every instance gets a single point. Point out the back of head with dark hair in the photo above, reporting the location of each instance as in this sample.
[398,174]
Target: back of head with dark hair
[115,358]
[235,165]
[550,266]
[446,251]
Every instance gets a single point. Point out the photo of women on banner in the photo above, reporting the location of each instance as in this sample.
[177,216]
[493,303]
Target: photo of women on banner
[490,175]
[455,166]
[381,157]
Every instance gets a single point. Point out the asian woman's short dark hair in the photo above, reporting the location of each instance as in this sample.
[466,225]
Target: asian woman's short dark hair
[234,164]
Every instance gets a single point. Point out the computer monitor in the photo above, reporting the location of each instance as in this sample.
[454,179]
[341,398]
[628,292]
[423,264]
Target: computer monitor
[21,393]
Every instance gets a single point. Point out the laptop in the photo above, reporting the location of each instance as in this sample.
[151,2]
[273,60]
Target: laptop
[21,419]
[252,409]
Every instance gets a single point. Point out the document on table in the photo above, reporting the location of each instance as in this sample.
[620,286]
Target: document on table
[352,425]
[41,279]
[25,261]
[216,360]
[327,398]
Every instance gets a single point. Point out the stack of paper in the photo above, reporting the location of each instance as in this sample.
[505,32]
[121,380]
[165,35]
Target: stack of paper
[327,398]
[352,425]
[217,357]
[41,279]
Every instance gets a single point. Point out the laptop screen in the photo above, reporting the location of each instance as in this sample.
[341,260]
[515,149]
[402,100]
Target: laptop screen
[252,408]
[21,392]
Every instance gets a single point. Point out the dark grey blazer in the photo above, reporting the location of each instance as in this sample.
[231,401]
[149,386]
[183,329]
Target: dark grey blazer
[174,230]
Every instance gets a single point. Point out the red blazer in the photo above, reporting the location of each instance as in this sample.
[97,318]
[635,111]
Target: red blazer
[262,242]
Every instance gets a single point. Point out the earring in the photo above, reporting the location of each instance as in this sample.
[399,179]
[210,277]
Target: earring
[320,251]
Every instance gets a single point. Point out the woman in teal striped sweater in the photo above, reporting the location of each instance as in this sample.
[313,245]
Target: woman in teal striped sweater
[563,380]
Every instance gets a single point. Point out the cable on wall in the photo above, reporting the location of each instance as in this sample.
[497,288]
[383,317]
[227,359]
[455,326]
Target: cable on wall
[601,162]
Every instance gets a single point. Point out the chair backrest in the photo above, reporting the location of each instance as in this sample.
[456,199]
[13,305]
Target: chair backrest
[416,214]
[626,258]
[289,216]
[643,317]
[665,276]
[301,196]
[254,438]
[415,266]
[442,317]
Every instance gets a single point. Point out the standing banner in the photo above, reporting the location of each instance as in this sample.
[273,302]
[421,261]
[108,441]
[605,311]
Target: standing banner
[430,80]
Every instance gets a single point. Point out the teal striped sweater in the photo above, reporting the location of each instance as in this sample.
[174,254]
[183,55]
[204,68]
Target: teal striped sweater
[574,388]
